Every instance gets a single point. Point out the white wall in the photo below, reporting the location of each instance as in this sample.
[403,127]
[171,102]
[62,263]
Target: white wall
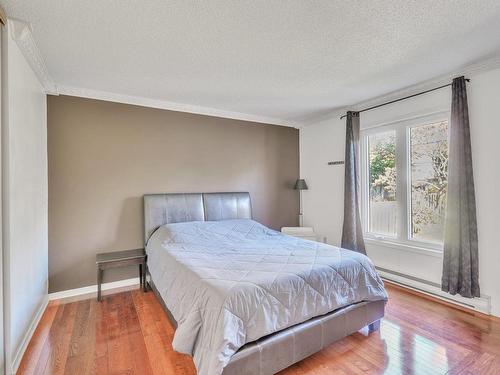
[24,197]
[2,349]
[323,203]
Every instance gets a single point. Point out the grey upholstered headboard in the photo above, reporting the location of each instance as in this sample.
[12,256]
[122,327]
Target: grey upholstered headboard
[160,209]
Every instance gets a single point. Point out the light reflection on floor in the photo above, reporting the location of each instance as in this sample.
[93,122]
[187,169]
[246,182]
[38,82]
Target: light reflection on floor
[410,353]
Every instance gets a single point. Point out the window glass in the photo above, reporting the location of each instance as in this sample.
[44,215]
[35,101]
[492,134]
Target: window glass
[382,183]
[429,172]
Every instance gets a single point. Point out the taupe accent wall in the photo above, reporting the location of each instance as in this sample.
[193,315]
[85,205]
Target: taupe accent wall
[103,156]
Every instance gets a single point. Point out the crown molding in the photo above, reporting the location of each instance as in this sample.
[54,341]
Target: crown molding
[470,70]
[21,33]
[171,106]
[324,116]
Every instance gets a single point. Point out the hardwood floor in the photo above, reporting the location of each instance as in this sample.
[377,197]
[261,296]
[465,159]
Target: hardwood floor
[128,333]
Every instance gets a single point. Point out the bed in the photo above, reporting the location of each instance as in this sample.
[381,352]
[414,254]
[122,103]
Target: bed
[246,299]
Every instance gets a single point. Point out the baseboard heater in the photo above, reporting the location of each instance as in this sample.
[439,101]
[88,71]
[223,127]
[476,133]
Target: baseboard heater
[481,304]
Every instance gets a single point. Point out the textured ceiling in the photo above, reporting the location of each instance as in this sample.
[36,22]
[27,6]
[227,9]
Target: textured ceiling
[282,59]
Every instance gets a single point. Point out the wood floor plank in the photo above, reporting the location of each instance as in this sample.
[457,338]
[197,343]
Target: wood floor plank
[129,333]
[38,343]
[157,353]
[136,341]
[82,344]
[120,358]
[41,362]
[101,366]
[59,341]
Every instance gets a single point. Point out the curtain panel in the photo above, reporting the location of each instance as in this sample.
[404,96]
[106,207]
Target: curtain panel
[460,260]
[352,233]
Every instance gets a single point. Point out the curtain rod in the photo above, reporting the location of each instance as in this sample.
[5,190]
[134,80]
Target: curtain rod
[406,97]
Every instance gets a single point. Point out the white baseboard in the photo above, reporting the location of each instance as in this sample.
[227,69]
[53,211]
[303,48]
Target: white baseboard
[482,304]
[29,334]
[93,288]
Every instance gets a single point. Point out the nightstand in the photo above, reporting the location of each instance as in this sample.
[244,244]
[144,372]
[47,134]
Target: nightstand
[124,258]
[306,233]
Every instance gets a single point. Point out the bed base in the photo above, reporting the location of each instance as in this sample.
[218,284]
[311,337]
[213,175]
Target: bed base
[275,352]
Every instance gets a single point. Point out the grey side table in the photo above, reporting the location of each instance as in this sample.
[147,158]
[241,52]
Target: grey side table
[123,258]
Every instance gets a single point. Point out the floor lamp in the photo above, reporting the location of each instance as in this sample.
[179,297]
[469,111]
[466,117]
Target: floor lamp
[300,185]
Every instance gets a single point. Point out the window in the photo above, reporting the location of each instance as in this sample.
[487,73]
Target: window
[404,181]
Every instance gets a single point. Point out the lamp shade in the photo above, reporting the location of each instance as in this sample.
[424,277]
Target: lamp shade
[300,184]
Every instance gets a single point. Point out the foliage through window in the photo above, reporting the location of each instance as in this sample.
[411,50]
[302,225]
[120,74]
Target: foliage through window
[429,180]
[382,189]
[405,170]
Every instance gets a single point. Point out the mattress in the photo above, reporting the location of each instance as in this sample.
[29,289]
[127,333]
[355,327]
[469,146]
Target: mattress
[231,282]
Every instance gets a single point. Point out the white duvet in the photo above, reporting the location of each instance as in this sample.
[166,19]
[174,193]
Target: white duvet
[231,282]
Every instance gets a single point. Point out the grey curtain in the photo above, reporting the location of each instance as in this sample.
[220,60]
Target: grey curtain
[460,265]
[352,234]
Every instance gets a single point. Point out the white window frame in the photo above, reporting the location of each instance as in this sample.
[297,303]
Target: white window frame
[403,182]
